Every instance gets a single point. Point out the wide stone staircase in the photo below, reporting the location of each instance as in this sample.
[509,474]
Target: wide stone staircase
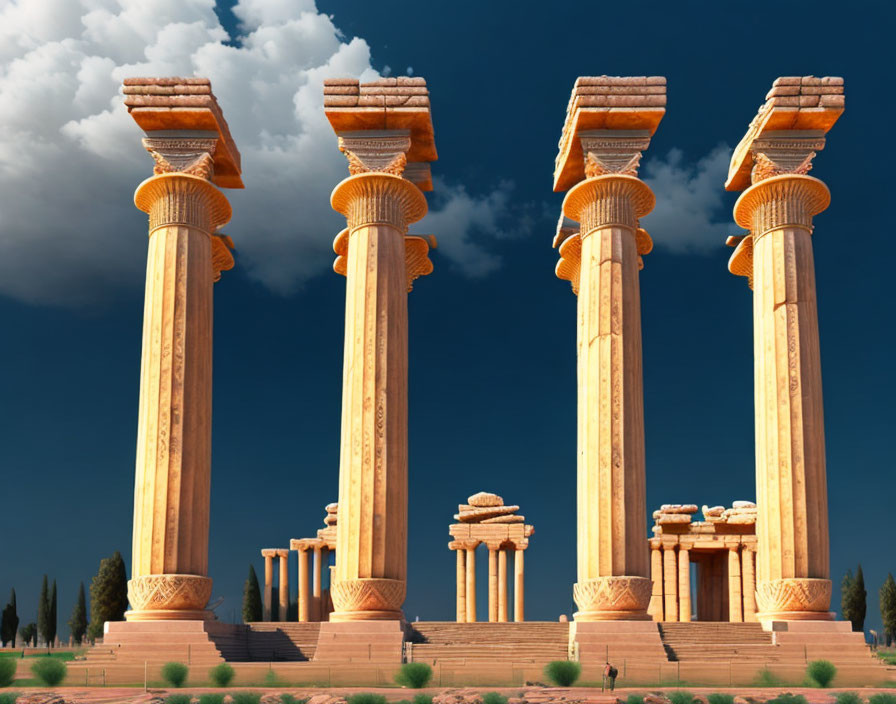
[442,642]
[282,641]
[717,640]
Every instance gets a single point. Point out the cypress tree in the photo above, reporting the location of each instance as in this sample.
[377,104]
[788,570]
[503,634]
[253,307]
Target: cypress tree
[860,601]
[888,608]
[43,612]
[9,621]
[53,623]
[252,609]
[78,621]
[108,595]
[847,592]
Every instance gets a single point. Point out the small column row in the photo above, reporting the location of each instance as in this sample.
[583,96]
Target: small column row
[497,580]
[283,589]
[313,599]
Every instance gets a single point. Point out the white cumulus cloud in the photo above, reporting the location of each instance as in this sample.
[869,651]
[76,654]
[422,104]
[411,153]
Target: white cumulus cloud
[70,156]
[691,213]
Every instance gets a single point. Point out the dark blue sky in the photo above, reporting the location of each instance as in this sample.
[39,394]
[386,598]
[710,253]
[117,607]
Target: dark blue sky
[492,368]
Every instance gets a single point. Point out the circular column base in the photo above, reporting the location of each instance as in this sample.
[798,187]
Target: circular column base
[345,616]
[169,615]
[618,598]
[166,597]
[794,599]
[368,599]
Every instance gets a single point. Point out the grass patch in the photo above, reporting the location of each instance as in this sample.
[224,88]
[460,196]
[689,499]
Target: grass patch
[364,698]
[177,699]
[286,698]
[882,698]
[493,698]
[211,699]
[681,697]
[8,697]
[634,699]
[848,698]
[64,655]
[719,698]
[422,699]
[246,697]
[787,698]
[766,678]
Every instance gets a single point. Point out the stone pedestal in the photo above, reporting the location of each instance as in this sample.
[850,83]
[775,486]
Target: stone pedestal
[377,642]
[616,641]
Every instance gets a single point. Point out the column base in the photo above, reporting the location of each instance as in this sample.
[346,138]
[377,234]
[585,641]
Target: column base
[169,615]
[618,598]
[169,597]
[367,599]
[793,599]
[346,616]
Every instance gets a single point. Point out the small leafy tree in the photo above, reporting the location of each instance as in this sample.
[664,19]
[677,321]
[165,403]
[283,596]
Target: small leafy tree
[221,674]
[108,594]
[252,609]
[175,673]
[43,612]
[28,634]
[49,671]
[7,671]
[888,608]
[563,673]
[415,675]
[78,622]
[821,672]
[9,621]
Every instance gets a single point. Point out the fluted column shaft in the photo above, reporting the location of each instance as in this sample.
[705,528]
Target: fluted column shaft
[371,563]
[684,584]
[502,585]
[792,528]
[268,585]
[471,584]
[670,579]
[283,591]
[461,585]
[612,519]
[304,600]
[173,469]
[735,588]
[315,586]
[655,608]
[519,585]
[748,558]
[492,584]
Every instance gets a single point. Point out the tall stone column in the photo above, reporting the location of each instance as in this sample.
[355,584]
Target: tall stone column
[283,590]
[315,585]
[493,583]
[655,608]
[684,583]
[379,263]
[471,583]
[461,573]
[748,557]
[519,584]
[268,581]
[600,154]
[304,600]
[735,589]
[502,585]
[169,563]
[670,579]
[777,208]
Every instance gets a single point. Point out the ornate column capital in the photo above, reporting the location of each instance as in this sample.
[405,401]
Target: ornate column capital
[785,200]
[374,198]
[608,200]
[370,151]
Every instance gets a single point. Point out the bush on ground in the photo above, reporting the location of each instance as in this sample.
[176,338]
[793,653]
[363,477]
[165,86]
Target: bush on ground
[415,675]
[882,698]
[787,698]
[221,674]
[211,699]
[175,673]
[246,697]
[634,699]
[177,699]
[270,679]
[364,698]
[290,699]
[821,672]
[681,697]
[422,699]
[7,671]
[720,698]
[8,697]
[49,671]
[848,698]
[493,698]
[563,673]
[766,678]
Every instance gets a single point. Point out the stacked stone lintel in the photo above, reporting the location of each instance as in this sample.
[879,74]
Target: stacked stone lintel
[609,122]
[777,206]
[188,138]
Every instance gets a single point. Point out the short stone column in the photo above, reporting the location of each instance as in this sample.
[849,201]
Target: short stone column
[283,590]
[777,208]
[655,609]
[493,549]
[519,584]
[268,581]
[371,563]
[602,261]
[670,582]
[684,583]
[461,579]
[735,593]
[169,564]
[471,582]
[502,585]
[748,559]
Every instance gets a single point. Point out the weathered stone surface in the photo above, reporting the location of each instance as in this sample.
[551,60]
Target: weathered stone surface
[484,499]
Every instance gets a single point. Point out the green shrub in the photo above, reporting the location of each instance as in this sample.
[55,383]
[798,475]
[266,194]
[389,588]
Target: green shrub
[681,697]
[848,698]
[422,699]
[221,675]
[563,673]
[363,698]
[8,697]
[49,671]
[634,699]
[766,678]
[177,699]
[415,675]
[821,672]
[290,699]
[211,699]
[270,679]
[175,673]
[787,698]
[719,698]
[882,698]
[493,698]
[7,671]
[246,697]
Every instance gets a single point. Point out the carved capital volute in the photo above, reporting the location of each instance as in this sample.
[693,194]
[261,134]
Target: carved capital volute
[379,199]
[781,201]
[784,152]
[181,199]
[370,152]
[183,153]
[607,201]
[613,151]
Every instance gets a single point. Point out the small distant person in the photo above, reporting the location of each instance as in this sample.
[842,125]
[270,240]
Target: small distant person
[610,674]
[875,641]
